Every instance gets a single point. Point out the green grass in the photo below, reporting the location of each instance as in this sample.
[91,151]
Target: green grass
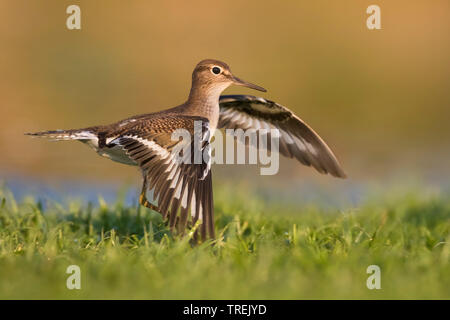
[264,250]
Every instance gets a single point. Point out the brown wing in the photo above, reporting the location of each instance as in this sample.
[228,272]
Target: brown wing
[297,139]
[180,179]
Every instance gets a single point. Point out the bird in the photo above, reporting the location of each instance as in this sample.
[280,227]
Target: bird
[183,190]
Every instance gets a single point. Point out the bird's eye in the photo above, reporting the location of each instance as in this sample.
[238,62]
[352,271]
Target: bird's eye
[216,70]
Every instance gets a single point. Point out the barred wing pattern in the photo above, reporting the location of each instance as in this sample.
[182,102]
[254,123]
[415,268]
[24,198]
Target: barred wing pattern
[297,139]
[178,185]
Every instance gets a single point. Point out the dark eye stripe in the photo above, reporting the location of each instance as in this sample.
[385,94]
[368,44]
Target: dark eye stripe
[216,70]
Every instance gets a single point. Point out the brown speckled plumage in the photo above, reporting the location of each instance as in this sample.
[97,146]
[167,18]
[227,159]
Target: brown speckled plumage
[183,188]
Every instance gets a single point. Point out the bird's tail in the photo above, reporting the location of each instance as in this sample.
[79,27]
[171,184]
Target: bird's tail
[58,135]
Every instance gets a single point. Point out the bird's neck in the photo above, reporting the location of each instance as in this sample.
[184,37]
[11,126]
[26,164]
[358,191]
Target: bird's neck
[204,101]
[205,94]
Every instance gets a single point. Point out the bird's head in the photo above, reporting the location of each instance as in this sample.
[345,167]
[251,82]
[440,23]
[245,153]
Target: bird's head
[215,76]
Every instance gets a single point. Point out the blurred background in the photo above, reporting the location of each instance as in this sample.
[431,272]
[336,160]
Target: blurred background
[380,98]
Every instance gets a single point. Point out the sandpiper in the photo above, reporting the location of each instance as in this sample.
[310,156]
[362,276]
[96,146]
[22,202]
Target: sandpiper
[183,191]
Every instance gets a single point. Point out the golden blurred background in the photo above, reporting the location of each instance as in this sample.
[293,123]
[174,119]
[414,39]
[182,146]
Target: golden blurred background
[380,98]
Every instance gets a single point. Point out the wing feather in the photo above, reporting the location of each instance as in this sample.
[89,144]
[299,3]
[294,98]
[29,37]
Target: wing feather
[297,139]
[179,186]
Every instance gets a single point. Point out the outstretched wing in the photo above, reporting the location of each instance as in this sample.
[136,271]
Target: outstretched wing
[173,153]
[297,139]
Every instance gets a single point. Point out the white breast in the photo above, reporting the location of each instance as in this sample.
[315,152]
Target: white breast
[115,153]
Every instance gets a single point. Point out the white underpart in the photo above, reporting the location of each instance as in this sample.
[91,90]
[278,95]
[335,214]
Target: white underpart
[115,153]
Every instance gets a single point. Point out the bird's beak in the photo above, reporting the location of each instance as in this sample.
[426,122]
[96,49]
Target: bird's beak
[244,83]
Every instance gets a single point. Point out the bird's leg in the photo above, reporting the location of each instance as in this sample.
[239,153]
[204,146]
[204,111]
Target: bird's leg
[143,199]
